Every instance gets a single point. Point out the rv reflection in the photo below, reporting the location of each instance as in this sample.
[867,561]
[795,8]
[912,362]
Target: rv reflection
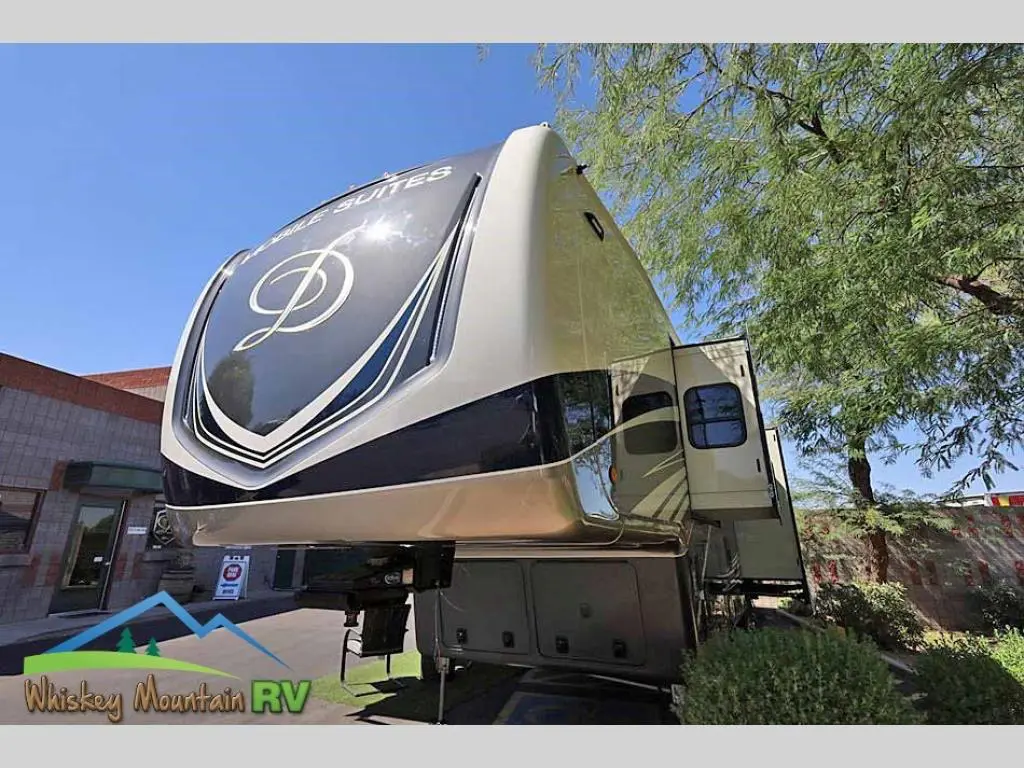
[593,482]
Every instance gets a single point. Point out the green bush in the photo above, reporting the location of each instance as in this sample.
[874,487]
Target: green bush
[789,677]
[878,611]
[795,606]
[967,681]
[999,605]
[1009,652]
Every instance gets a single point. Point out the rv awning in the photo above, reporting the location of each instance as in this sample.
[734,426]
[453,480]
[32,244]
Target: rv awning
[92,474]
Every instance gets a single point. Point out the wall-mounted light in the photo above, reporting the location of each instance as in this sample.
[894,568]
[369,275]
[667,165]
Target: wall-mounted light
[594,224]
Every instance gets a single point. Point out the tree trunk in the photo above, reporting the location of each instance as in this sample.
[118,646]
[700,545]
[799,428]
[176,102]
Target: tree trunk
[879,556]
[859,468]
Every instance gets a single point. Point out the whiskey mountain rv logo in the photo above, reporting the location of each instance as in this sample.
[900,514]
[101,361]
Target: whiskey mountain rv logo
[71,655]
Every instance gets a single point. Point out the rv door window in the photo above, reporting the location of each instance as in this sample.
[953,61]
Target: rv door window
[654,436]
[714,416]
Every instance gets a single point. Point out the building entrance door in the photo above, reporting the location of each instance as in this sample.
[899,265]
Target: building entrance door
[88,561]
[284,568]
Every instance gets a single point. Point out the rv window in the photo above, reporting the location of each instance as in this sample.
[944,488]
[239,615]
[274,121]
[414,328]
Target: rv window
[714,416]
[652,437]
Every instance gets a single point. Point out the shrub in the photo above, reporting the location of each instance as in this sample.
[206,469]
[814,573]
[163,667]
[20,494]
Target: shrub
[963,681]
[789,677]
[1009,652]
[795,606]
[878,611]
[998,605]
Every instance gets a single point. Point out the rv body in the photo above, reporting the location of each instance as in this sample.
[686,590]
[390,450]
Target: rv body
[468,358]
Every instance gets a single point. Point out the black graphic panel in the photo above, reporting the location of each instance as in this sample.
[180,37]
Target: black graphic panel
[310,318]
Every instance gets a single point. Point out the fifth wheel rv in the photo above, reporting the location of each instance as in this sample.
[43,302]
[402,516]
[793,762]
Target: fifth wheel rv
[460,380]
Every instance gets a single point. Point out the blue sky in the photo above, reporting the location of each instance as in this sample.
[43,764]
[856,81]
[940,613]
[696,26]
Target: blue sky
[131,172]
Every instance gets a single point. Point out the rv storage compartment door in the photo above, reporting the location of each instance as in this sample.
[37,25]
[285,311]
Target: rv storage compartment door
[723,437]
[588,612]
[485,608]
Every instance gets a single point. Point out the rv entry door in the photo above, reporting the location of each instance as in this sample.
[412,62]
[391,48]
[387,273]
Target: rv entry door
[724,442]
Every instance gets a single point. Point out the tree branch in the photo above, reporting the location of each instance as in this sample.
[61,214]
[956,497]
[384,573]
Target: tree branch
[997,303]
[814,127]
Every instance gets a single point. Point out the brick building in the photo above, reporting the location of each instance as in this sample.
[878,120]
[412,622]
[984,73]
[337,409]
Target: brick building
[80,493]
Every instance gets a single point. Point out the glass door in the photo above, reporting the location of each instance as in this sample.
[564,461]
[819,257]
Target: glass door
[90,555]
[284,567]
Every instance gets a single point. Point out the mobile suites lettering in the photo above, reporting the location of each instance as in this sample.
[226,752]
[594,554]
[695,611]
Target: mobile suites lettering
[267,696]
[383,189]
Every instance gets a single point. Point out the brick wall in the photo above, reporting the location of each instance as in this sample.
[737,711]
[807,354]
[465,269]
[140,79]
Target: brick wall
[31,378]
[147,382]
[49,418]
[985,545]
[39,435]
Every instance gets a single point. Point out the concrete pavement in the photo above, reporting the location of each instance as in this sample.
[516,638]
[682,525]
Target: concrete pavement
[69,623]
[27,638]
[307,640]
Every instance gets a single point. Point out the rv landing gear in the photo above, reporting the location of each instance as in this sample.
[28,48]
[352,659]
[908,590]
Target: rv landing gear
[376,583]
[441,663]
[430,671]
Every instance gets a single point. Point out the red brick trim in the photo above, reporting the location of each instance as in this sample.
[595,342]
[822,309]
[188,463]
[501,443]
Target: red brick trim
[57,477]
[135,379]
[28,577]
[53,572]
[48,382]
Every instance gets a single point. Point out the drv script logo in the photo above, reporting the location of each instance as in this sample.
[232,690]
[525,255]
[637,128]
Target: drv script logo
[265,696]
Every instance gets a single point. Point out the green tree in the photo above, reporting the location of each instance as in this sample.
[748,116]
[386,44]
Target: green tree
[127,643]
[856,209]
[151,648]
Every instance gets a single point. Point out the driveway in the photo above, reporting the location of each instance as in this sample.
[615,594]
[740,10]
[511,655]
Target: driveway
[307,640]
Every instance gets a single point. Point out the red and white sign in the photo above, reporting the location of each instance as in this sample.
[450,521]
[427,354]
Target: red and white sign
[234,575]
[232,572]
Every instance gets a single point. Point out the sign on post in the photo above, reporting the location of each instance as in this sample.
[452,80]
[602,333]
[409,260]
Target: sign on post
[233,578]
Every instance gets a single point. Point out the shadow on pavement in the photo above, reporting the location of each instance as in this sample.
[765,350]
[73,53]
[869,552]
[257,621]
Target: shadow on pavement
[160,627]
[473,696]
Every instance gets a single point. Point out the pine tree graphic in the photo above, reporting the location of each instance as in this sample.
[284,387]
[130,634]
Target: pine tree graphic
[127,643]
[151,649]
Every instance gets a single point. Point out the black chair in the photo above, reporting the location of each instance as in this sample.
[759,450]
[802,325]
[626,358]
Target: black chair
[383,634]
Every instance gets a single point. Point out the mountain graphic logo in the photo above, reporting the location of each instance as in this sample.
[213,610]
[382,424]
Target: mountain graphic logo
[67,655]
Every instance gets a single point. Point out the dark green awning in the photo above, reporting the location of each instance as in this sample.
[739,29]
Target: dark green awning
[94,474]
